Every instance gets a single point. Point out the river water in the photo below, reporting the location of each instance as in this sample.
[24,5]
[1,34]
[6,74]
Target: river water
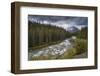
[54,50]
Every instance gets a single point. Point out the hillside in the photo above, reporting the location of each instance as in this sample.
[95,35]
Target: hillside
[40,34]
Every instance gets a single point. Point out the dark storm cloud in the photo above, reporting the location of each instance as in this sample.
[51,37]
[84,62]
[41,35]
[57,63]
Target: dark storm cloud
[67,19]
[60,21]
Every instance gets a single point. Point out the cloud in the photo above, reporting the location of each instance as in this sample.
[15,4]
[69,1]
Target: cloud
[61,21]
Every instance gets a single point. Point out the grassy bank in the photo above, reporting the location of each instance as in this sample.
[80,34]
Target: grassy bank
[79,47]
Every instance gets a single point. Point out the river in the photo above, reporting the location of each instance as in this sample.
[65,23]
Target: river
[54,50]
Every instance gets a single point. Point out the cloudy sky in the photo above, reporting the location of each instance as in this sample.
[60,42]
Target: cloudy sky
[60,21]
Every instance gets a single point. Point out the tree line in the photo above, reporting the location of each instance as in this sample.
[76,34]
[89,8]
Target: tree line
[82,34]
[39,34]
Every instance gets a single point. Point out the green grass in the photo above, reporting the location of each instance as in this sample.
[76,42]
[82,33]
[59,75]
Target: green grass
[69,54]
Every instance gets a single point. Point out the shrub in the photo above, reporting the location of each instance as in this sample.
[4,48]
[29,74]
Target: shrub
[70,53]
[80,45]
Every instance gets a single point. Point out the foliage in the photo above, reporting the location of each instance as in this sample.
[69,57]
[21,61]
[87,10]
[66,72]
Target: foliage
[80,45]
[40,34]
[82,33]
[69,53]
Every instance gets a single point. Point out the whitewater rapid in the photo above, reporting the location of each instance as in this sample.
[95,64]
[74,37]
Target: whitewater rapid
[54,50]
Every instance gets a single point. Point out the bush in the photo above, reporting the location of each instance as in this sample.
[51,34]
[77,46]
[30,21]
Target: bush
[70,53]
[80,45]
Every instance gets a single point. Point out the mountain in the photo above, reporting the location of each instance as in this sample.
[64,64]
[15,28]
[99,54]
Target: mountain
[72,29]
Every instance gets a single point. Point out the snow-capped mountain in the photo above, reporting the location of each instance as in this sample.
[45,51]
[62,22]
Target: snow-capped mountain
[72,29]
